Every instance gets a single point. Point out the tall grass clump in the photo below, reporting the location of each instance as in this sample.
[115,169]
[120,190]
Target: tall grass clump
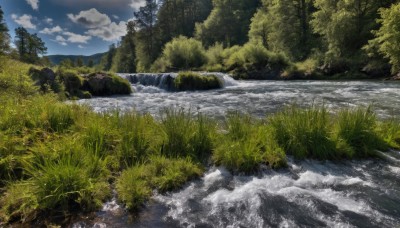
[135,184]
[186,135]
[356,132]
[139,138]
[247,144]
[390,132]
[304,133]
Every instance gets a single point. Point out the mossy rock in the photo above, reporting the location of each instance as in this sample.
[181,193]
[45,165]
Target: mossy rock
[189,81]
[106,84]
[72,80]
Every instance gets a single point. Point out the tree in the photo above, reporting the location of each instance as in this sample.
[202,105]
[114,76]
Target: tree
[108,57]
[345,25]
[283,26]
[387,38]
[67,63]
[124,60]
[4,36]
[79,62]
[179,17]
[228,22]
[147,47]
[29,46]
[90,63]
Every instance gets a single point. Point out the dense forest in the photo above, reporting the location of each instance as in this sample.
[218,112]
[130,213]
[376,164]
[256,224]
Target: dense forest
[261,38]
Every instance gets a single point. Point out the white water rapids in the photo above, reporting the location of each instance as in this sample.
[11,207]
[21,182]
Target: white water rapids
[309,193]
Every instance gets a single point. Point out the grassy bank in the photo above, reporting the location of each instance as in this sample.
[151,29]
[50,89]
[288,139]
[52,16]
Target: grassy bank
[58,159]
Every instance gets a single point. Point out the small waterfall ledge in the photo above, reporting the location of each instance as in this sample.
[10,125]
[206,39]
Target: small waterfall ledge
[166,80]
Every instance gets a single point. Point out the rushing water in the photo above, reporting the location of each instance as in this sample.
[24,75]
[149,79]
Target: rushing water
[256,97]
[307,194]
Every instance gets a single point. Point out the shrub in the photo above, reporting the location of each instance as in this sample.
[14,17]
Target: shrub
[389,131]
[255,57]
[193,81]
[183,53]
[304,133]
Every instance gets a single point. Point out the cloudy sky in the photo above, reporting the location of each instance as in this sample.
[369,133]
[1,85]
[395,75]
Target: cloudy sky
[72,26]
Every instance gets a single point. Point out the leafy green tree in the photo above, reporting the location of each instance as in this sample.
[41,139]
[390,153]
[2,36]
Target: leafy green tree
[345,25]
[178,17]
[125,58]
[147,45]
[4,36]
[30,46]
[228,22]
[387,38]
[283,26]
[108,57]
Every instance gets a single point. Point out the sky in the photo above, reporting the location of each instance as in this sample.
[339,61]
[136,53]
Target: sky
[72,27]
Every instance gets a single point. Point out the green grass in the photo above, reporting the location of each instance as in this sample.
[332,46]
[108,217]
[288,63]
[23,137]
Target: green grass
[189,81]
[304,133]
[135,184]
[60,159]
[247,145]
[356,130]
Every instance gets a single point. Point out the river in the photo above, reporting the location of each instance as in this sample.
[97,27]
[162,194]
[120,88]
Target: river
[307,194]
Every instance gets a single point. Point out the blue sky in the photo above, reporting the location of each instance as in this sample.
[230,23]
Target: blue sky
[72,27]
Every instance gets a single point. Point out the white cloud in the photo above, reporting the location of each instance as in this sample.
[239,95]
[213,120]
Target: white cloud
[136,4]
[90,18]
[110,32]
[80,46]
[115,17]
[34,4]
[61,40]
[24,21]
[48,20]
[76,38]
[50,31]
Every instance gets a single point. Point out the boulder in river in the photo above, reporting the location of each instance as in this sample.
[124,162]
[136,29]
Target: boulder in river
[106,84]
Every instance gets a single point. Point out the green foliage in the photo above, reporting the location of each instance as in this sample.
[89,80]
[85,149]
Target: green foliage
[29,46]
[135,184]
[304,133]
[186,135]
[183,53]
[4,36]
[254,57]
[227,23]
[248,144]
[194,81]
[139,138]
[283,27]
[388,36]
[356,131]
[72,81]
[338,22]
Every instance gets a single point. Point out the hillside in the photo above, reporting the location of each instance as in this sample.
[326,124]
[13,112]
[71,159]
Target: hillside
[56,59]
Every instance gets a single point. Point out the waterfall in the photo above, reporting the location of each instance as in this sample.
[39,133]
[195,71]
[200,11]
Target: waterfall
[166,80]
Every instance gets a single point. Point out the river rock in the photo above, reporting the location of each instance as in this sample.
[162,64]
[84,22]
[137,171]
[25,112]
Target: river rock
[106,84]
[45,79]
[377,71]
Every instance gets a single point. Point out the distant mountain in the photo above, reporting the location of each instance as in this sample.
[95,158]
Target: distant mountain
[56,59]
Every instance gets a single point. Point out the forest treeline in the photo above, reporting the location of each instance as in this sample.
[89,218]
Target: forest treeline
[260,37]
